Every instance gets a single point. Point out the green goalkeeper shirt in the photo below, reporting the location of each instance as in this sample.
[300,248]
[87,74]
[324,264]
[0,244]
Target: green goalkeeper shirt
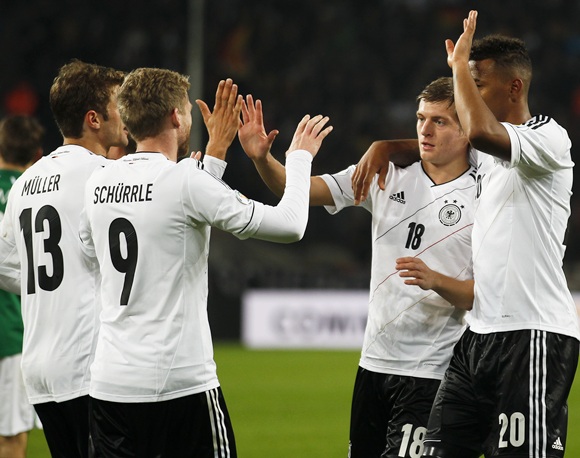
[11,327]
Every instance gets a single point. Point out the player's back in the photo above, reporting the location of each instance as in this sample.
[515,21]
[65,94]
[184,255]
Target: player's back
[151,238]
[58,288]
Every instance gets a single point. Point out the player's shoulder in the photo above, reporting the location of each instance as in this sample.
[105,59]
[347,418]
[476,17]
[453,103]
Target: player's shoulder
[540,125]
[397,172]
[542,122]
[189,164]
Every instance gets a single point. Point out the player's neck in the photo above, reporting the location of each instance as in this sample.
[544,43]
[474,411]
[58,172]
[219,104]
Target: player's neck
[518,114]
[160,145]
[443,173]
[92,145]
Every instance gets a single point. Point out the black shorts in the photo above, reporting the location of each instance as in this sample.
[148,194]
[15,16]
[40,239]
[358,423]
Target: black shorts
[389,415]
[66,427]
[195,426]
[505,395]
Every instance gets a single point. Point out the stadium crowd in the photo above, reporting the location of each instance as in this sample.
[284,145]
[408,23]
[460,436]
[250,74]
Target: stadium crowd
[359,62]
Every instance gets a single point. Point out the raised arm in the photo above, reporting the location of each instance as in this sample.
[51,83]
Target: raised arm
[457,292]
[257,145]
[376,161]
[287,221]
[479,123]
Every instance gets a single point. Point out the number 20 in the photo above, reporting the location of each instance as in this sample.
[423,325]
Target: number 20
[128,263]
[517,429]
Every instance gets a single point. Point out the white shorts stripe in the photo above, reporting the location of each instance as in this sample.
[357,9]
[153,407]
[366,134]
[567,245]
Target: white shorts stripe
[537,428]
[219,431]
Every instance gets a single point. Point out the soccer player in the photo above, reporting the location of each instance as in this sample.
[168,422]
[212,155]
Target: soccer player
[59,296]
[426,210]
[505,392]
[20,146]
[148,218]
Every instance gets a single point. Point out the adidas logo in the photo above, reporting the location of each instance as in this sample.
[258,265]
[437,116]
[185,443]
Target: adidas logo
[558,445]
[398,197]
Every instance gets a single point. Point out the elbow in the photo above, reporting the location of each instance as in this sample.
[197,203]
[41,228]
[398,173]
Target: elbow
[296,234]
[467,306]
[491,139]
[478,135]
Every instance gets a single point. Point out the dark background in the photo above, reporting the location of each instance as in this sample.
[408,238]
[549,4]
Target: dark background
[361,62]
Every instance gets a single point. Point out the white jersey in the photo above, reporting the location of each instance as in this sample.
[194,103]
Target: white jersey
[522,210]
[410,331]
[58,289]
[148,223]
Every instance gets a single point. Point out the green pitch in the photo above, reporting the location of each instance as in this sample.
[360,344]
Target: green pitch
[297,403]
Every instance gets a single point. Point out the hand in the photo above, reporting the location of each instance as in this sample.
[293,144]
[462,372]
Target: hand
[417,272]
[372,162]
[252,134]
[223,124]
[195,155]
[309,134]
[459,52]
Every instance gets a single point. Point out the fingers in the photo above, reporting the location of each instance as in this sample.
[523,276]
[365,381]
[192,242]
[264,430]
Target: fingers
[258,113]
[406,263]
[245,113]
[472,19]
[469,23]
[204,109]
[449,47]
[361,183]
[302,124]
[226,95]
[233,93]
[315,126]
[310,133]
[252,112]
[272,136]
[195,155]
[409,267]
[238,105]
[251,106]
[219,94]
[383,178]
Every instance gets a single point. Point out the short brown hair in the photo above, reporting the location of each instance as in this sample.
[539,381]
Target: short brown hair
[20,139]
[78,88]
[437,91]
[147,96]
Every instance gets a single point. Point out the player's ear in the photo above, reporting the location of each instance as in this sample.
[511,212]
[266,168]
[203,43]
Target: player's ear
[92,119]
[175,117]
[516,87]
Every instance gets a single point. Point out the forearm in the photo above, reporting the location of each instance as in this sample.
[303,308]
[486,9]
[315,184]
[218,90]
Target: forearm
[272,172]
[402,152]
[457,292]
[483,130]
[286,222]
